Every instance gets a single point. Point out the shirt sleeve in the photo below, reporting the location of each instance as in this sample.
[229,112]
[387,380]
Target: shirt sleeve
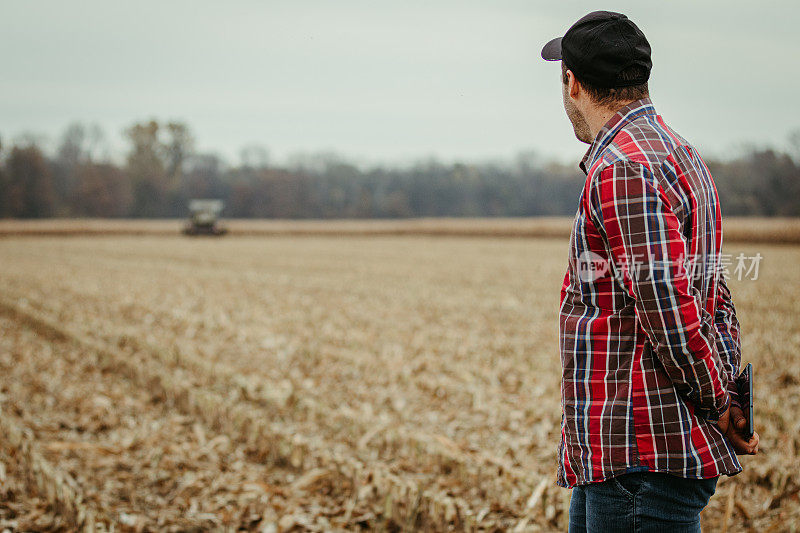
[648,249]
[728,344]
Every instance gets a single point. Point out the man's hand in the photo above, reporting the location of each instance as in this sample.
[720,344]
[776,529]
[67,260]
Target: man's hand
[732,423]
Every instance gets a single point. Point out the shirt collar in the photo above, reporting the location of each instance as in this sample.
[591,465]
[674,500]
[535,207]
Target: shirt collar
[604,137]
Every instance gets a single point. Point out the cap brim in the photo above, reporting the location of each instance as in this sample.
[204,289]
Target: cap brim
[552,50]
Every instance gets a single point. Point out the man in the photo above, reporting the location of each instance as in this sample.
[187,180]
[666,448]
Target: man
[649,337]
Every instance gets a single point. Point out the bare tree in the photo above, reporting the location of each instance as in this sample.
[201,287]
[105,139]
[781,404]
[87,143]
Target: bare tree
[177,147]
[254,156]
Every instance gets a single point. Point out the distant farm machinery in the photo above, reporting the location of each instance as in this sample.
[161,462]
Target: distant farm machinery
[204,218]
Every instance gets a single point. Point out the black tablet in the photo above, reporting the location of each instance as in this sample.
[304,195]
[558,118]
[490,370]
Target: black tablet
[745,386]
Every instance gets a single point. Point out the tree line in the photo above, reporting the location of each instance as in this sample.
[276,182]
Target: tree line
[163,170]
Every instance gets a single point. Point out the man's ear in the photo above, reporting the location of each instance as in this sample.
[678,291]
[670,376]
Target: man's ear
[573,85]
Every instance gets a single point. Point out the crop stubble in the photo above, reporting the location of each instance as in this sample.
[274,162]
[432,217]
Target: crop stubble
[415,378]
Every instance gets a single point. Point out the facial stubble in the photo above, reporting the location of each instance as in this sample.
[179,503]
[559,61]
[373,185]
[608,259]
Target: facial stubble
[579,124]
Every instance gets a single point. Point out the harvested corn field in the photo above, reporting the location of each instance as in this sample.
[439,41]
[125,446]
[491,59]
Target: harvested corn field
[282,383]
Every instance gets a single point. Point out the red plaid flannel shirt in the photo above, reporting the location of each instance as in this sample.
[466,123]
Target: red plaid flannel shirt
[649,338]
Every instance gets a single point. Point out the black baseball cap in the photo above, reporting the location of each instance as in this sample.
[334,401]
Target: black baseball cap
[599,46]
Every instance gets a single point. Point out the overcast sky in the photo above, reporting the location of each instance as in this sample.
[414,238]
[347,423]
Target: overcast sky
[380,80]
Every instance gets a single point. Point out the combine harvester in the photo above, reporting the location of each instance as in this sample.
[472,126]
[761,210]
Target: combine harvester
[204,218]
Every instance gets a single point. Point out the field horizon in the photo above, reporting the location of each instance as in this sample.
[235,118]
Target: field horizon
[777,230]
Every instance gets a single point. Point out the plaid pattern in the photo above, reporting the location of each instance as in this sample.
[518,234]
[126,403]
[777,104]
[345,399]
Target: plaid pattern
[649,338]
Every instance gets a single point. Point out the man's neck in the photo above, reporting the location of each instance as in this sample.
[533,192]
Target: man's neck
[598,116]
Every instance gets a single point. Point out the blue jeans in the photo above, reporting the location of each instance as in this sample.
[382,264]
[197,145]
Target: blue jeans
[640,501]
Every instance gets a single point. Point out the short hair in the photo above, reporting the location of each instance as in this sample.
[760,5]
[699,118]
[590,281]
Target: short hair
[613,96]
